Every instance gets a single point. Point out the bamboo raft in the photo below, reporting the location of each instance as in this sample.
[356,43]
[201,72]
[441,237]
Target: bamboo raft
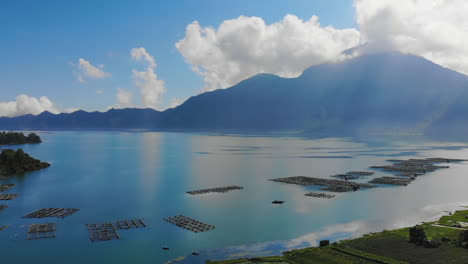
[320,195]
[410,174]
[102,232]
[340,189]
[408,170]
[108,231]
[393,180]
[329,184]
[189,223]
[431,160]
[8,196]
[6,186]
[41,231]
[215,190]
[361,173]
[3,207]
[52,212]
[346,177]
[415,167]
[129,224]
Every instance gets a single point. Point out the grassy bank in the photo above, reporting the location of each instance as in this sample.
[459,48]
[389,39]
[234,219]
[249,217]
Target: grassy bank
[390,247]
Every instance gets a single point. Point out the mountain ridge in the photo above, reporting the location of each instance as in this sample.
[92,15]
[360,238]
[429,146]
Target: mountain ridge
[373,92]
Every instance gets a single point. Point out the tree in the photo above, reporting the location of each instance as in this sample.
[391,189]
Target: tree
[15,138]
[324,243]
[18,161]
[417,235]
[463,239]
[20,155]
[34,138]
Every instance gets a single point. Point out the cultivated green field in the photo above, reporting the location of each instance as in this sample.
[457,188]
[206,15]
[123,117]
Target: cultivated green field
[390,247]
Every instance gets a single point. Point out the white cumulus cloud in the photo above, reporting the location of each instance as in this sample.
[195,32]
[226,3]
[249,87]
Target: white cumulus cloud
[25,104]
[89,71]
[434,29]
[139,54]
[151,88]
[124,98]
[245,46]
[176,102]
[70,110]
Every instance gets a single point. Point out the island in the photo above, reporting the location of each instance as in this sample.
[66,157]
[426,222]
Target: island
[442,241]
[17,161]
[16,138]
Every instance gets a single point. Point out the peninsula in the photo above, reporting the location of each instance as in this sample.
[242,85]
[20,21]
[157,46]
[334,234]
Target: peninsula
[17,161]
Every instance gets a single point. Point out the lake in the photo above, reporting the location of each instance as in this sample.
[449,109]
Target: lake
[113,176]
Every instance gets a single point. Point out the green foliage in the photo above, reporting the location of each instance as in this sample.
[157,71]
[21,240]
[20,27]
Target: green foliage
[438,233]
[324,255]
[451,220]
[33,138]
[397,247]
[463,239]
[439,244]
[16,138]
[417,235]
[18,161]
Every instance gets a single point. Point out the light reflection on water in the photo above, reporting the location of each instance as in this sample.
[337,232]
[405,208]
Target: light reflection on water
[112,176]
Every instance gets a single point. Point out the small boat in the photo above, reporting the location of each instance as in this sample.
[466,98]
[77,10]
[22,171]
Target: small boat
[195,253]
[277,202]
[165,248]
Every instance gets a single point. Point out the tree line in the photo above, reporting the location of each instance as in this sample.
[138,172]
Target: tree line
[15,138]
[17,161]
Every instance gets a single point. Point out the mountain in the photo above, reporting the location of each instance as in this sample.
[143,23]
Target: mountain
[373,93]
[114,119]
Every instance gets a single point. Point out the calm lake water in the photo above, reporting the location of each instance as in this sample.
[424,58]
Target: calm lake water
[115,176]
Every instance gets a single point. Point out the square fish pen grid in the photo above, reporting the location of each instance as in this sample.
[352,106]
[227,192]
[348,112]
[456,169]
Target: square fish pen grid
[52,212]
[5,187]
[3,207]
[7,196]
[41,231]
[129,224]
[189,223]
[102,232]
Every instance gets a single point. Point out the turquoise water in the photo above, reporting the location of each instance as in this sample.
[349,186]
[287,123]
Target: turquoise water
[114,176]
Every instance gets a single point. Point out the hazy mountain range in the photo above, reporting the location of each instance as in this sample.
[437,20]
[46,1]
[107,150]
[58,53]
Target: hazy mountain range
[374,93]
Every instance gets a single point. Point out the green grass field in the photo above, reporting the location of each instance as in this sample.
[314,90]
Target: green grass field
[390,247]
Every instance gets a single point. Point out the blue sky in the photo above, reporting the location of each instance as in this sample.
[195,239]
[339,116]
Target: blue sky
[41,42]
[47,46]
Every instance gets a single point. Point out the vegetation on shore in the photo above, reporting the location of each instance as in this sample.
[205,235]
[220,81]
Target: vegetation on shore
[16,138]
[443,241]
[18,161]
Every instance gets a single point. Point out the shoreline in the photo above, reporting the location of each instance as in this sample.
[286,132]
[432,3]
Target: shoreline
[334,233]
[448,222]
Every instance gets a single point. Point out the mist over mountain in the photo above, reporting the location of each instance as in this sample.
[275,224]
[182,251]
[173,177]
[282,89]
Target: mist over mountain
[373,93]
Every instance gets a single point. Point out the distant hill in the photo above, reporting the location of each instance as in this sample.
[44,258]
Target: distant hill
[374,93]
[114,119]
